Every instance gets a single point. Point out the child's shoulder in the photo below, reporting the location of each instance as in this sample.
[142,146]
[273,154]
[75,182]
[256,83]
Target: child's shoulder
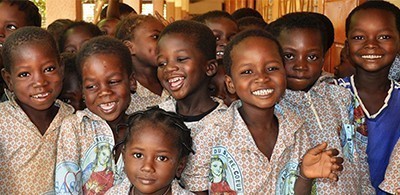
[122,188]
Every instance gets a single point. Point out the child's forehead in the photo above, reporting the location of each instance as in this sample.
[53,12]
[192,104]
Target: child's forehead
[372,14]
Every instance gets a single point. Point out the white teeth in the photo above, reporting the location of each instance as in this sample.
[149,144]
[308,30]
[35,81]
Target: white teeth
[220,53]
[176,82]
[263,92]
[42,95]
[107,106]
[371,56]
[175,79]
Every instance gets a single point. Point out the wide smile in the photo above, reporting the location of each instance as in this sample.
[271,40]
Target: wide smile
[40,96]
[262,92]
[108,107]
[176,83]
[220,53]
[371,57]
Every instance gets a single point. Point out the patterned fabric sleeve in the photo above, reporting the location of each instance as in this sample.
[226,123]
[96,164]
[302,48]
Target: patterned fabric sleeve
[391,183]
[68,174]
[195,175]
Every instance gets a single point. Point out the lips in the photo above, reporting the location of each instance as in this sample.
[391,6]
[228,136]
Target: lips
[40,96]
[176,83]
[108,107]
[262,92]
[146,181]
[371,57]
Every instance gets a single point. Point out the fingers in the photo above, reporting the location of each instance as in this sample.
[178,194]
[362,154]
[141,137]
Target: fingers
[318,149]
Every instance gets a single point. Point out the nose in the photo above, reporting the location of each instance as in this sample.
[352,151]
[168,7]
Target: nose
[147,165]
[39,80]
[371,43]
[105,90]
[300,64]
[170,67]
[262,77]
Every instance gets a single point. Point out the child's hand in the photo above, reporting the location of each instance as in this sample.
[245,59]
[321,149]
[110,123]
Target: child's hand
[321,163]
[162,19]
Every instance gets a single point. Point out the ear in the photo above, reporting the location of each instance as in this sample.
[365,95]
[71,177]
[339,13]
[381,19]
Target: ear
[212,67]
[7,78]
[132,82]
[229,84]
[181,167]
[131,46]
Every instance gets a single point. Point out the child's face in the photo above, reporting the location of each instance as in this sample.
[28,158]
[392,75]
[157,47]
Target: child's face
[35,76]
[182,68]
[345,68]
[303,57]
[257,73]
[105,86]
[71,92]
[10,20]
[152,160]
[144,43]
[373,39]
[218,89]
[108,26]
[224,29]
[75,39]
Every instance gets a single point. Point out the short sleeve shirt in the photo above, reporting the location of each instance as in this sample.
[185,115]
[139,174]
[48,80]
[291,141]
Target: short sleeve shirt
[327,111]
[125,186]
[392,175]
[227,159]
[27,158]
[85,160]
[144,98]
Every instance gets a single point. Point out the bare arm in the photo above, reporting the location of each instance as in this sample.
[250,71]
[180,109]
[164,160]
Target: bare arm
[113,9]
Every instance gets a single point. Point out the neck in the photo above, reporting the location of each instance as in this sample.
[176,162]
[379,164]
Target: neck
[256,118]
[147,77]
[195,105]
[40,118]
[121,119]
[372,81]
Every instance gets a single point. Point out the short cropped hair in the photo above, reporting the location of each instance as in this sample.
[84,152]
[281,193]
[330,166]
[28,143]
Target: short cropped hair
[246,12]
[123,10]
[242,36]
[381,5]
[104,45]
[252,21]
[24,36]
[32,15]
[89,27]
[212,15]
[127,26]
[202,36]
[300,20]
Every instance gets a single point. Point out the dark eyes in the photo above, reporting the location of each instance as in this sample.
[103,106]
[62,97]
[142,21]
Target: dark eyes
[23,74]
[11,27]
[288,56]
[137,155]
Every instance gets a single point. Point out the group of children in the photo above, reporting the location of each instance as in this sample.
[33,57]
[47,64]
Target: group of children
[199,106]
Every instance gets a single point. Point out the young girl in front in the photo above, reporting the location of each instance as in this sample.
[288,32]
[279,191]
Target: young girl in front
[31,118]
[85,163]
[140,33]
[324,106]
[260,143]
[155,152]
[373,37]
